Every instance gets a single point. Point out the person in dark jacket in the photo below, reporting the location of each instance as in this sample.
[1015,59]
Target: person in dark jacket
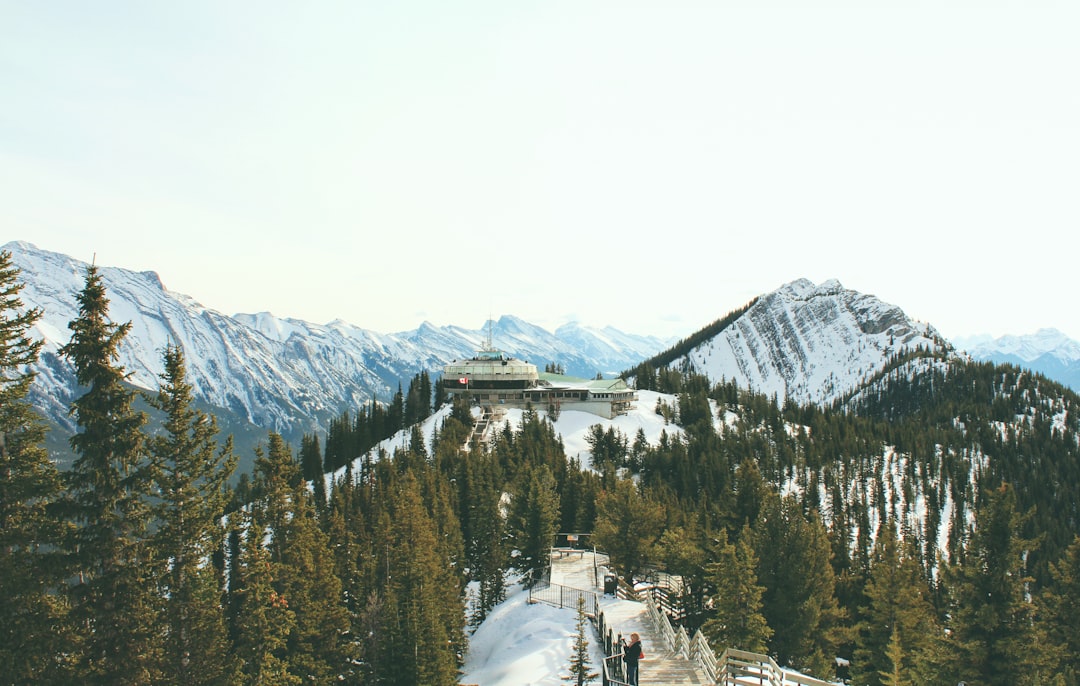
[632,652]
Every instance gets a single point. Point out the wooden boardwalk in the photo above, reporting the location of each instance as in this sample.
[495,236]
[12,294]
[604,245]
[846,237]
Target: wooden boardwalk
[661,666]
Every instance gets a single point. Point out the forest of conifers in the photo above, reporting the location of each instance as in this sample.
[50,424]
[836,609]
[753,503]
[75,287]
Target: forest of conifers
[925,530]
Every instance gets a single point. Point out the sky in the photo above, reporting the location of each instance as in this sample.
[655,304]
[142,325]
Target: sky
[649,166]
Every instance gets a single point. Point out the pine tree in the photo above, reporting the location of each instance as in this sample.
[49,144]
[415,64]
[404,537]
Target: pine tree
[192,476]
[31,613]
[422,610]
[580,667]
[489,549]
[317,645]
[534,515]
[113,602]
[898,632]
[1061,614]
[263,618]
[799,601]
[311,464]
[320,647]
[737,621]
[991,611]
[627,524]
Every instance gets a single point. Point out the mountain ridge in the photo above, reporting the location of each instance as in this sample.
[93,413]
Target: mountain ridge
[1048,351]
[809,343]
[280,374]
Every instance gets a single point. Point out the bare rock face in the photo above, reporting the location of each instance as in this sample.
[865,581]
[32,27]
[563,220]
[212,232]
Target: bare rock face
[285,375]
[811,343]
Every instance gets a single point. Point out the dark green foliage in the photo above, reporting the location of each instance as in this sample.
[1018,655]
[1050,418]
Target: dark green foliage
[192,477]
[363,584]
[628,524]
[1061,616]
[799,602]
[897,632]
[737,620]
[113,604]
[31,614]
[534,514]
[992,625]
[262,618]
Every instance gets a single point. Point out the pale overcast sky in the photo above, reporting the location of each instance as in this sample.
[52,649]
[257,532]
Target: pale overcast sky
[648,165]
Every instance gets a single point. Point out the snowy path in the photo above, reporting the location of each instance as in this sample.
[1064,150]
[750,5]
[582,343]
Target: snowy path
[661,665]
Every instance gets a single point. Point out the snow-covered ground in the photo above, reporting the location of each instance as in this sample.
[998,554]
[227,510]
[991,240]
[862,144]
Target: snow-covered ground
[572,426]
[525,645]
[530,645]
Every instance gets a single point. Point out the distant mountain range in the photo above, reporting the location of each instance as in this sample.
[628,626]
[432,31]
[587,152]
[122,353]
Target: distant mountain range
[256,372]
[259,372]
[1047,351]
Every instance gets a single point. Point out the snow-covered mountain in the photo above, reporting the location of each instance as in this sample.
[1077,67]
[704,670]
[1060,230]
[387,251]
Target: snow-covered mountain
[282,374]
[1047,351]
[810,343]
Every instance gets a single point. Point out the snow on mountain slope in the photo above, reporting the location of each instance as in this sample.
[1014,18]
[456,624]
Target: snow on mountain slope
[572,427]
[282,374]
[810,343]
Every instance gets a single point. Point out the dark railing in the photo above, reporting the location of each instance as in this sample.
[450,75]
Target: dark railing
[614,672]
[556,595]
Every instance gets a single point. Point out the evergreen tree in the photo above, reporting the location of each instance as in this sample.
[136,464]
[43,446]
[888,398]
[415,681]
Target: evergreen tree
[422,610]
[489,550]
[192,476]
[534,515]
[799,602]
[898,632]
[737,621]
[628,523]
[311,464]
[31,613]
[113,602]
[320,648]
[263,618]
[1061,615]
[992,616]
[580,667]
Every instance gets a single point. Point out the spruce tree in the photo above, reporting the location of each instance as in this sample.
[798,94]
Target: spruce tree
[799,601]
[192,475]
[628,523]
[534,516]
[31,613]
[263,620]
[113,603]
[898,632]
[489,548]
[320,647]
[1061,614]
[736,621]
[580,666]
[422,611]
[992,615]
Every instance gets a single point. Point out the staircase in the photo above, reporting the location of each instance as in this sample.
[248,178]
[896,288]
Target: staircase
[672,657]
[481,434]
[614,619]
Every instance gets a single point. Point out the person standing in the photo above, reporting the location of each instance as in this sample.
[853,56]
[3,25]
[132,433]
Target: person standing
[632,653]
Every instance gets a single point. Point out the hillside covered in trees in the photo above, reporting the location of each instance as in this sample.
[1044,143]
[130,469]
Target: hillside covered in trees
[923,528]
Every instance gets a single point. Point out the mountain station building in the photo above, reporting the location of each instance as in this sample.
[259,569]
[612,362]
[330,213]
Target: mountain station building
[492,377]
